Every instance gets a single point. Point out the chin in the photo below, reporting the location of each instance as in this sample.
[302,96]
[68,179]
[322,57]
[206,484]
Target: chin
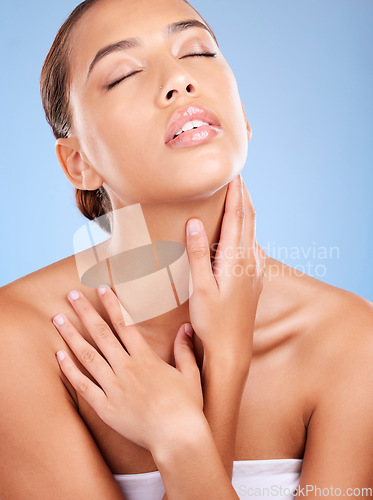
[194,173]
[197,181]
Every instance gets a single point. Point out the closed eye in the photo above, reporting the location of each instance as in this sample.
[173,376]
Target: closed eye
[111,85]
[206,54]
[199,54]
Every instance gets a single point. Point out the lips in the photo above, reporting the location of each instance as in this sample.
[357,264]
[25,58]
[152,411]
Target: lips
[186,114]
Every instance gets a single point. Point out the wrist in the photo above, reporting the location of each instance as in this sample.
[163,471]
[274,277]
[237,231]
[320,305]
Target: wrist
[226,366]
[179,438]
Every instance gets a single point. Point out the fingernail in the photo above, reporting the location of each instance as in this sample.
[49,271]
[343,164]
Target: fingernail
[194,227]
[102,289]
[60,355]
[74,295]
[58,320]
[188,329]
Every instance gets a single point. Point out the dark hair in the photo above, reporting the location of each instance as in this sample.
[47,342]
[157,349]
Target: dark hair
[55,94]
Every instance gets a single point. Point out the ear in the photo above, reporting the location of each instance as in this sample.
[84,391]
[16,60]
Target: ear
[77,169]
[249,131]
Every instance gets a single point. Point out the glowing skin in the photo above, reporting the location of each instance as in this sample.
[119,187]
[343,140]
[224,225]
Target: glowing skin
[119,133]
[312,338]
[117,136]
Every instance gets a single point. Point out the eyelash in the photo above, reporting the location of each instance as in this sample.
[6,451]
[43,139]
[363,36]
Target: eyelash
[206,54]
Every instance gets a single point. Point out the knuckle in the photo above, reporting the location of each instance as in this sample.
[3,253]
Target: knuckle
[119,324]
[199,252]
[252,213]
[102,332]
[202,291]
[240,212]
[87,356]
[82,387]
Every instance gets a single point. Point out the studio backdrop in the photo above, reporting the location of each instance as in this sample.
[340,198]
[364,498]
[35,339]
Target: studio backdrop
[305,75]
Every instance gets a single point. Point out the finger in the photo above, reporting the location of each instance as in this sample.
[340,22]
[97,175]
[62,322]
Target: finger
[85,387]
[133,340]
[84,352]
[231,234]
[185,360]
[98,329]
[199,256]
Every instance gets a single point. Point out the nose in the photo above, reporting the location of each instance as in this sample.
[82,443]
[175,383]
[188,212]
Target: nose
[179,84]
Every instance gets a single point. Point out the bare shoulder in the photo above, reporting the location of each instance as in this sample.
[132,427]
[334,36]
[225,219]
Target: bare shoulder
[340,319]
[27,306]
[26,309]
[346,337]
[324,308]
[44,439]
[329,360]
[333,357]
[33,288]
[334,333]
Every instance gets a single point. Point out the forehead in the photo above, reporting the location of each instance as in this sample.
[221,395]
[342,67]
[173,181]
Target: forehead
[110,21]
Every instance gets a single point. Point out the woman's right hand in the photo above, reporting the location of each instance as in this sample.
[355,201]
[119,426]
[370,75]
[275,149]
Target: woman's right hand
[224,299]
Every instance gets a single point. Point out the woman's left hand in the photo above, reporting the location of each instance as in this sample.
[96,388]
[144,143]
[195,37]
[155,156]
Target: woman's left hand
[139,395]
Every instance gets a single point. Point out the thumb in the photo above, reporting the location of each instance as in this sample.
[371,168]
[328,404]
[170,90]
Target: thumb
[198,251]
[185,360]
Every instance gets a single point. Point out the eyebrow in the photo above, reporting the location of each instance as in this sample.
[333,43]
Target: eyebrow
[135,42]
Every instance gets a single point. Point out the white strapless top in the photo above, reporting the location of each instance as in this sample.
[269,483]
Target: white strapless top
[256,479]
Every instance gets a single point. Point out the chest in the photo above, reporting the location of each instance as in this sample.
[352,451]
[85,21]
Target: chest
[270,425]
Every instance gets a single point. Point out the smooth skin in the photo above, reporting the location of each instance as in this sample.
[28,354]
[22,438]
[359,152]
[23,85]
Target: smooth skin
[309,390]
[159,407]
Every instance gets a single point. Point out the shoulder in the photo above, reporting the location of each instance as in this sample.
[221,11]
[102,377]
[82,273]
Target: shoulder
[341,322]
[337,353]
[331,328]
[333,322]
[334,348]
[37,403]
[33,287]
[348,342]
[28,337]
[326,310]
[331,365]
[322,312]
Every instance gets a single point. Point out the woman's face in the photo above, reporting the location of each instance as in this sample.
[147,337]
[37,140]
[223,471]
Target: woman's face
[121,129]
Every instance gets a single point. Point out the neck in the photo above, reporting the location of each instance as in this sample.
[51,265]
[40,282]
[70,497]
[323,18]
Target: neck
[162,222]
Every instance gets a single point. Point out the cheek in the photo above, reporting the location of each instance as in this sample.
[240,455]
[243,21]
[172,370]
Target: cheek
[109,137]
[232,101]
[133,160]
[226,94]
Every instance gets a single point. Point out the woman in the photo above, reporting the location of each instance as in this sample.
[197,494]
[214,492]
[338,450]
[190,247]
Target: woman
[302,411]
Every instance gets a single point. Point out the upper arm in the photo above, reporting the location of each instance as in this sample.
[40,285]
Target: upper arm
[46,450]
[339,446]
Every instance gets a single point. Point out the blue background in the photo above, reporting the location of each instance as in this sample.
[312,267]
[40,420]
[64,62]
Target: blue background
[305,74]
